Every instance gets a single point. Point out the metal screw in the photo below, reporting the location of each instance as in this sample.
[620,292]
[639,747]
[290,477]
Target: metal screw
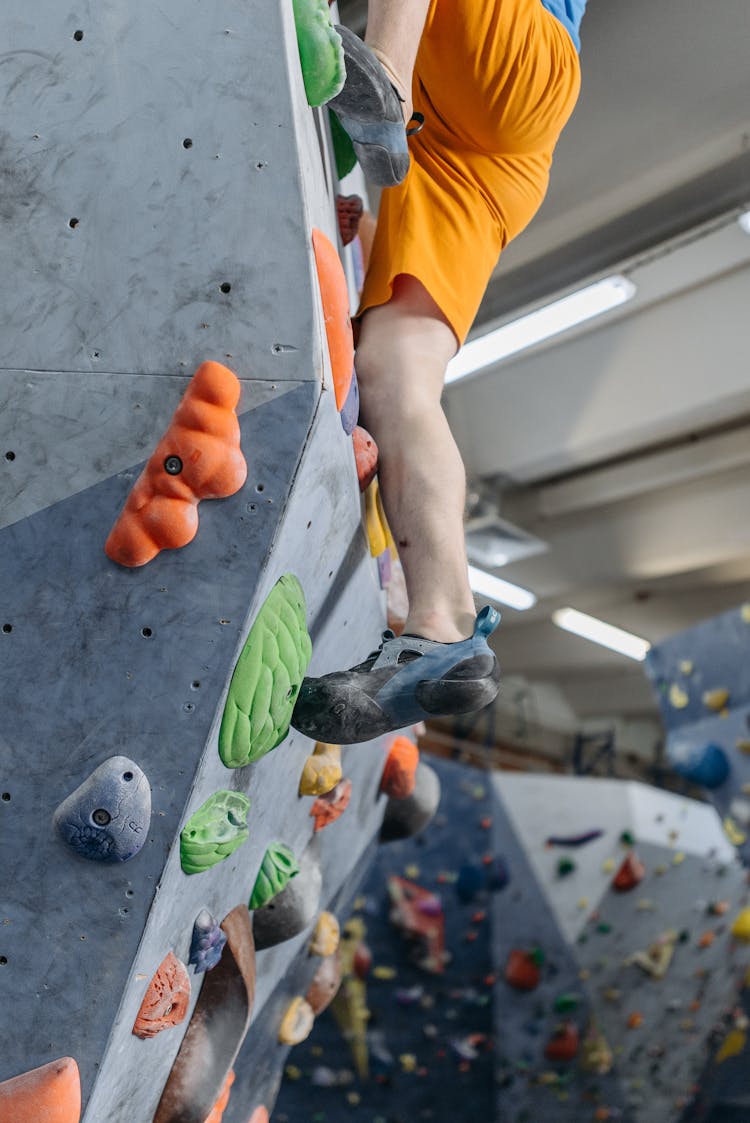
[101,817]
[173,465]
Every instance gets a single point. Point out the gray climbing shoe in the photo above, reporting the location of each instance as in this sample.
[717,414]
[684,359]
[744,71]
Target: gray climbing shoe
[369,109]
[409,679]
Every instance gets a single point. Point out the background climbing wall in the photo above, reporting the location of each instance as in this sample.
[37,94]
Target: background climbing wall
[162,175]
[701,678]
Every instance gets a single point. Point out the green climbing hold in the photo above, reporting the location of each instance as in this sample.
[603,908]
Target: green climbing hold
[321,54]
[566,1003]
[267,677]
[627,838]
[565,866]
[279,865]
[214,831]
[343,149]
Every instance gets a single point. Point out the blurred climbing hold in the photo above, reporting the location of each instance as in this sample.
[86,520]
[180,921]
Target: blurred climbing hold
[366,457]
[706,765]
[49,1094]
[563,1044]
[630,873]
[406,817]
[217,1111]
[565,867]
[349,210]
[199,457]
[207,942]
[166,1000]
[716,699]
[523,969]
[267,678]
[329,806]
[399,775]
[322,770]
[321,54]
[297,1022]
[107,817]
[741,926]
[325,985]
[278,866]
[325,938]
[294,907]
[214,831]
[498,875]
[470,882]
[573,840]
[334,295]
[678,698]
[733,832]
[350,410]
[418,914]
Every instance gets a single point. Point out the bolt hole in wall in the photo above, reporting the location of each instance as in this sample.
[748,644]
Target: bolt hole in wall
[146,633]
[7,628]
[5,797]
[187,142]
[78,35]
[10,455]
[260,487]
[225,286]
[195,685]
[3,960]
[73,223]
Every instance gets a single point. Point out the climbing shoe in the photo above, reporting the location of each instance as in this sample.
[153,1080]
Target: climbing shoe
[369,109]
[408,679]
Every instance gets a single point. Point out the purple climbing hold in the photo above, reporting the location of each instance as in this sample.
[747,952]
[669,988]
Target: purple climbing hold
[573,839]
[469,882]
[207,943]
[350,409]
[106,819]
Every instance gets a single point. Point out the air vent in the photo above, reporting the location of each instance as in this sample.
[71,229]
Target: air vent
[493,542]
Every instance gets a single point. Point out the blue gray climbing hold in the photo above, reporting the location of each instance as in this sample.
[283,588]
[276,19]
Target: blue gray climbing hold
[294,908]
[350,409]
[107,818]
[406,817]
[207,943]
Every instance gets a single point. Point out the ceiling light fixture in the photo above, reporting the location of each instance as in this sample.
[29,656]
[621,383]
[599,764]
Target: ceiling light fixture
[588,627]
[542,324]
[503,592]
[744,221]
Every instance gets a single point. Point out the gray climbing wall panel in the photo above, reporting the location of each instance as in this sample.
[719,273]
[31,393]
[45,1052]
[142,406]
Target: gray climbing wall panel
[161,178]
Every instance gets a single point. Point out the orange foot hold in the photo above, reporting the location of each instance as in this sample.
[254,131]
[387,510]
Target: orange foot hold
[166,1001]
[199,457]
[51,1094]
[400,772]
[217,1111]
[334,296]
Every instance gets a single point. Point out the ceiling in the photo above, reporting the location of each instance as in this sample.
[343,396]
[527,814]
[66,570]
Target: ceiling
[625,446]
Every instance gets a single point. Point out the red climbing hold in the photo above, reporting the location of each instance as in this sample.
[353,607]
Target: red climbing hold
[522,970]
[366,456]
[348,212]
[327,808]
[399,775]
[166,1001]
[563,1044]
[334,296]
[362,961]
[199,457]
[50,1094]
[630,873]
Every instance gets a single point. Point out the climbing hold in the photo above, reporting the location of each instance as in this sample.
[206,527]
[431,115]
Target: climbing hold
[566,1003]
[522,970]
[260,1115]
[573,840]
[267,678]
[322,770]
[324,987]
[406,817]
[378,534]
[49,1094]
[362,961]
[334,295]
[329,806]
[733,832]
[635,1020]
[350,410]
[565,867]
[627,838]
[498,875]
[732,1045]
[214,831]
[216,1030]
[470,882]
[297,1022]
[348,212]
[321,53]
[563,1044]
[608,865]
[678,698]
[678,858]
[686,666]
[743,744]
[107,818]
[325,938]
[277,867]
[399,775]
[656,959]
[217,1111]
[706,939]
[596,1055]
[418,913]
[199,457]
[292,908]
[166,1000]
[207,943]
[716,699]
[707,765]
[741,926]
[630,873]
[385,568]
[365,455]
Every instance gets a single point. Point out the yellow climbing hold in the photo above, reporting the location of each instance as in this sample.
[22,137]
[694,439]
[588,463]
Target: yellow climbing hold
[296,1023]
[745,613]
[583,903]
[741,927]
[292,1072]
[411,871]
[608,866]
[716,699]
[678,858]
[378,533]
[686,667]
[385,973]
[732,1045]
[733,832]
[743,744]
[678,697]
[325,938]
[322,770]
[408,1062]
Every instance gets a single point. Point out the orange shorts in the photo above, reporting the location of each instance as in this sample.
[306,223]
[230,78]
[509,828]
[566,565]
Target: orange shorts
[496,81]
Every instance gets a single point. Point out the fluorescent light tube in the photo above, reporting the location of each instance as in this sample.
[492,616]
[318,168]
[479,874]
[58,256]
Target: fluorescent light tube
[744,221]
[598,632]
[546,322]
[501,591]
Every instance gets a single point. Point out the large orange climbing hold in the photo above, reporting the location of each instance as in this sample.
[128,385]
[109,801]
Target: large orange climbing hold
[334,296]
[199,457]
[217,1111]
[630,873]
[400,773]
[50,1094]
[366,456]
[166,1001]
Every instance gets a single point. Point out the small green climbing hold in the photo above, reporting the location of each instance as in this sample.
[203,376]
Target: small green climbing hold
[267,677]
[537,955]
[627,838]
[565,1003]
[214,831]
[565,866]
[343,150]
[604,928]
[279,865]
[321,54]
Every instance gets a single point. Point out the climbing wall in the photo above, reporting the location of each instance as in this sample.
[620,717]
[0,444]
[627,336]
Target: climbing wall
[701,678]
[163,175]
[619,945]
